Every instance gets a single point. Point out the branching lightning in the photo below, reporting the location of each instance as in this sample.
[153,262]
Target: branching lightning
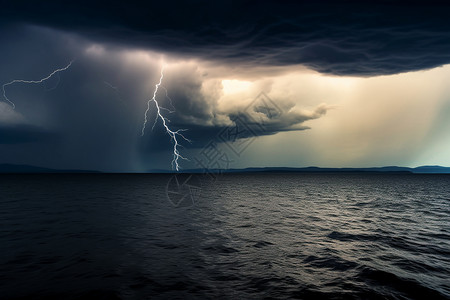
[170,100]
[173,134]
[32,81]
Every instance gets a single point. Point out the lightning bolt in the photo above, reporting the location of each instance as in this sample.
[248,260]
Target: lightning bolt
[116,90]
[173,134]
[170,100]
[111,86]
[31,81]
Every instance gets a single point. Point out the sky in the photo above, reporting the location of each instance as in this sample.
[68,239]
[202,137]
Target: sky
[238,84]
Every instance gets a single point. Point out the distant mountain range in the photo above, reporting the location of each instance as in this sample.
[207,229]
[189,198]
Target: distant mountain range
[11,169]
[388,169]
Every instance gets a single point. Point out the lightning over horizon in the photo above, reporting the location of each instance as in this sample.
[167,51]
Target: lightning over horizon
[32,82]
[173,134]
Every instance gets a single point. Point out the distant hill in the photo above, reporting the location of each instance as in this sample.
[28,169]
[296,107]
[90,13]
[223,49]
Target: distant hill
[11,169]
[387,169]
[432,169]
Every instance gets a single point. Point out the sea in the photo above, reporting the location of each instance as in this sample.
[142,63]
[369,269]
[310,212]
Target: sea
[225,236]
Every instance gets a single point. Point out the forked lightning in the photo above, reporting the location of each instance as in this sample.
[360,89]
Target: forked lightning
[173,134]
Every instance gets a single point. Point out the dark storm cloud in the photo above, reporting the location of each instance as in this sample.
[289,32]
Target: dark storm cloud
[261,117]
[95,128]
[195,103]
[97,105]
[342,38]
[20,134]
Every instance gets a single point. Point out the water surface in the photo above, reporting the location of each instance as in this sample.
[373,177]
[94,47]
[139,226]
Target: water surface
[248,236]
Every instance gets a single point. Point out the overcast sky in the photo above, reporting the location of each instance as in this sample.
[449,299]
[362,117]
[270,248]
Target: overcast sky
[246,83]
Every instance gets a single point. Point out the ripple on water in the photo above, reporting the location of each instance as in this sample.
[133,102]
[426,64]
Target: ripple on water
[252,236]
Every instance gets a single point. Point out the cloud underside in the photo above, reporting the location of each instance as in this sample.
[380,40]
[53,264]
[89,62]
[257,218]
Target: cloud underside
[258,119]
[22,134]
[347,38]
[205,122]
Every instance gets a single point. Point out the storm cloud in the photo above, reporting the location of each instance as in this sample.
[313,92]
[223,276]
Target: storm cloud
[15,129]
[94,110]
[25,134]
[242,68]
[340,38]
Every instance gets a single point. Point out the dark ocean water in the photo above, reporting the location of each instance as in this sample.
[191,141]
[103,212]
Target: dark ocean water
[251,236]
